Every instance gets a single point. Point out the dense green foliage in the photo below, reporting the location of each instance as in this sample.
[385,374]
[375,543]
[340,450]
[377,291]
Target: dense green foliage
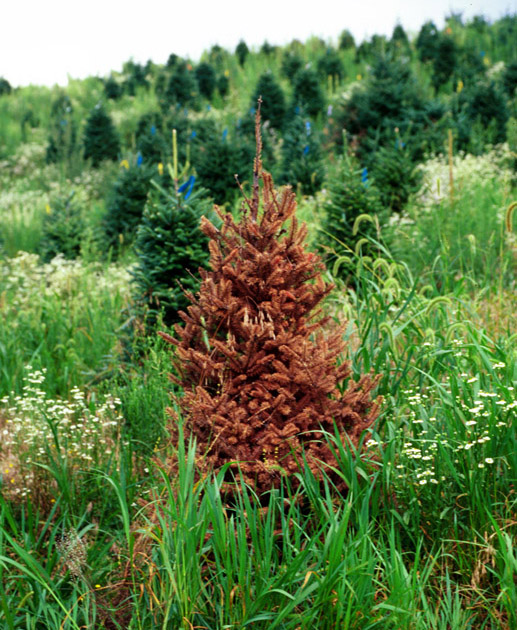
[307,91]
[5,86]
[482,105]
[352,211]
[206,80]
[126,202]
[302,159]
[273,100]
[170,249]
[395,175]
[182,88]
[63,228]
[62,130]
[219,159]
[241,52]
[101,141]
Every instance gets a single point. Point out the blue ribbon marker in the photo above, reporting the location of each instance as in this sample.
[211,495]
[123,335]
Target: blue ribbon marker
[188,186]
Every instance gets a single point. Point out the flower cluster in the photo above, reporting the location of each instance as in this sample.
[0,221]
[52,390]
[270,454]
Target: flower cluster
[462,425]
[467,170]
[36,429]
[27,281]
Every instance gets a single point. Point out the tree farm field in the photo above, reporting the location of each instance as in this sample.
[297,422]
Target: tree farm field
[285,399]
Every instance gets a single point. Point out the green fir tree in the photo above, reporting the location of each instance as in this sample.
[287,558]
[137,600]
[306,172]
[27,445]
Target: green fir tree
[307,92]
[218,160]
[302,160]
[5,86]
[126,202]
[150,139]
[182,88]
[62,130]
[112,88]
[292,63]
[346,40]
[330,64]
[63,228]
[395,174]
[350,194]
[426,43]
[170,249]
[206,80]
[445,60]
[101,141]
[242,52]
[273,100]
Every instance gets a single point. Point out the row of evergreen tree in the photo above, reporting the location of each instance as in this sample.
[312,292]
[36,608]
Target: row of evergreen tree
[363,149]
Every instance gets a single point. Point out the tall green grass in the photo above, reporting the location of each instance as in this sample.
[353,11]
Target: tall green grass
[64,317]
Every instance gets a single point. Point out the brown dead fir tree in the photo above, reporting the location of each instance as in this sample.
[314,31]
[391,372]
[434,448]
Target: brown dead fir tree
[257,361]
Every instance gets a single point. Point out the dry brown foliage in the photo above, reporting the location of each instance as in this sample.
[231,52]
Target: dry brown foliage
[257,361]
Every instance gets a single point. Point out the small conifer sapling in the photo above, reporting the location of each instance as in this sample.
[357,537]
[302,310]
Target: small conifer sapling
[257,362]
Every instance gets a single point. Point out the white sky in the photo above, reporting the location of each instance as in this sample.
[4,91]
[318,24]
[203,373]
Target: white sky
[45,41]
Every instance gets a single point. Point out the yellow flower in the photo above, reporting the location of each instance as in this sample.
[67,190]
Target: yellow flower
[125,164]
[48,209]
[460,86]
[160,168]
[226,73]
[359,77]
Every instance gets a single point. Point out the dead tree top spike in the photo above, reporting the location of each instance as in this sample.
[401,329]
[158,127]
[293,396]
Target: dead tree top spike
[257,164]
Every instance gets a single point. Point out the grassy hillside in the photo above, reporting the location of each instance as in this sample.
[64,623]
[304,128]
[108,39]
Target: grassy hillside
[402,158]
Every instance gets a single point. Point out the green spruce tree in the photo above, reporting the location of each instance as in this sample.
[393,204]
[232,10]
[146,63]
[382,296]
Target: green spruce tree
[302,160]
[273,100]
[330,64]
[126,202]
[101,141]
[307,92]
[395,174]
[399,42]
[62,137]
[63,228]
[350,194]
[206,79]
[346,40]
[170,249]
[5,86]
[427,42]
[182,88]
[242,52]
[292,63]
[112,88]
